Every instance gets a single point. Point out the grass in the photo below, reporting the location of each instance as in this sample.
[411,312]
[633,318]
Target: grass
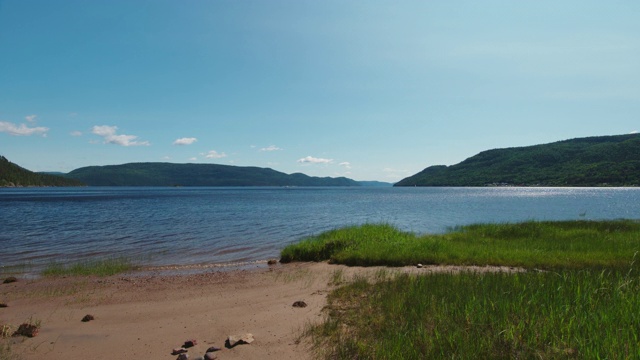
[544,245]
[583,306]
[101,267]
[6,353]
[585,314]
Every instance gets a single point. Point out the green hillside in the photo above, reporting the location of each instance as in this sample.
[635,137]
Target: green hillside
[592,161]
[167,174]
[13,175]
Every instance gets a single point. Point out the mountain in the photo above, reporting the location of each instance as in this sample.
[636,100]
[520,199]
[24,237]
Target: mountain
[168,174]
[12,175]
[591,161]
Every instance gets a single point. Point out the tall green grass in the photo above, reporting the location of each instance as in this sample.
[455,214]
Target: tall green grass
[584,305]
[548,245]
[99,267]
[586,314]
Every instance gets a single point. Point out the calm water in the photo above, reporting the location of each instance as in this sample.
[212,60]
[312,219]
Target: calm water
[187,226]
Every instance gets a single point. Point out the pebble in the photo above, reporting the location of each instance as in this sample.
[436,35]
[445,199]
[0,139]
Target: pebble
[234,340]
[190,343]
[178,351]
[299,304]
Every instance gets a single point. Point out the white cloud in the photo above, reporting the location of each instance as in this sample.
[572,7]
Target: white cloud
[185,141]
[166,158]
[271,148]
[109,135]
[31,118]
[22,129]
[214,155]
[345,164]
[193,159]
[634,132]
[75,133]
[313,160]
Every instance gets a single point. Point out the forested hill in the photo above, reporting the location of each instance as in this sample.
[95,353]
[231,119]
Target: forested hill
[12,175]
[592,161]
[168,174]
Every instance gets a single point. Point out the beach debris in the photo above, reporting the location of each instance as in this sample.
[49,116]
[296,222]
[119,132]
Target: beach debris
[234,340]
[10,279]
[299,304]
[28,330]
[87,318]
[178,351]
[419,266]
[3,305]
[213,349]
[272,262]
[183,356]
[190,343]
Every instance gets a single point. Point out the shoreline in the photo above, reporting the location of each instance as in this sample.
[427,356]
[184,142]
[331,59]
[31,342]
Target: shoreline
[149,315]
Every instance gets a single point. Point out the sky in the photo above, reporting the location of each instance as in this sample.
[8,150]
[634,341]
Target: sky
[370,90]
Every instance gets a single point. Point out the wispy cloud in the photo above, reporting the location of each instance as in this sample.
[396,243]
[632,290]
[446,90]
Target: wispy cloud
[22,129]
[314,160]
[634,132]
[270,148]
[76,133]
[185,141]
[214,155]
[31,118]
[110,136]
[193,159]
[345,164]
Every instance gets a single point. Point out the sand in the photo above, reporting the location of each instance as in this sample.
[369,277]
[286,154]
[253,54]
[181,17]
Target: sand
[147,316]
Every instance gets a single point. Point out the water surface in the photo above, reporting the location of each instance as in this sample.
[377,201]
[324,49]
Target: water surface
[190,226]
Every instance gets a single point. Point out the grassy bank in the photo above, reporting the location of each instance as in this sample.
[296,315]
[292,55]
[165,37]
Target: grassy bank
[583,306]
[547,245]
[100,267]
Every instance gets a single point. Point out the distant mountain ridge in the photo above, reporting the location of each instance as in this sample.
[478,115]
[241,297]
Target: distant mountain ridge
[12,175]
[590,161]
[170,174]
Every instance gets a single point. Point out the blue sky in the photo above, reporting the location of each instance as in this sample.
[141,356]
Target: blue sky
[371,90]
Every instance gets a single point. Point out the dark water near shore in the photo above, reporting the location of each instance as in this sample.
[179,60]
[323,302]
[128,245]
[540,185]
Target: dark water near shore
[190,226]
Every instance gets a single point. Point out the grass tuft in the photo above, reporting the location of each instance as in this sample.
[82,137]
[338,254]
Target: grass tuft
[102,267]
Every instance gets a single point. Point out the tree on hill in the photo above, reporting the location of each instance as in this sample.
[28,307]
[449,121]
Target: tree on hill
[592,161]
[12,175]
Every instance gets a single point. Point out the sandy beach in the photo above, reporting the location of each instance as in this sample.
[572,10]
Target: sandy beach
[149,315]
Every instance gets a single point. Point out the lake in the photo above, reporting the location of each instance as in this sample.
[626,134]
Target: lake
[195,226]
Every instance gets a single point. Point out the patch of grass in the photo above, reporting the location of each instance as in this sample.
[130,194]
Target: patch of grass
[5,331]
[6,353]
[584,305]
[585,314]
[101,267]
[545,245]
